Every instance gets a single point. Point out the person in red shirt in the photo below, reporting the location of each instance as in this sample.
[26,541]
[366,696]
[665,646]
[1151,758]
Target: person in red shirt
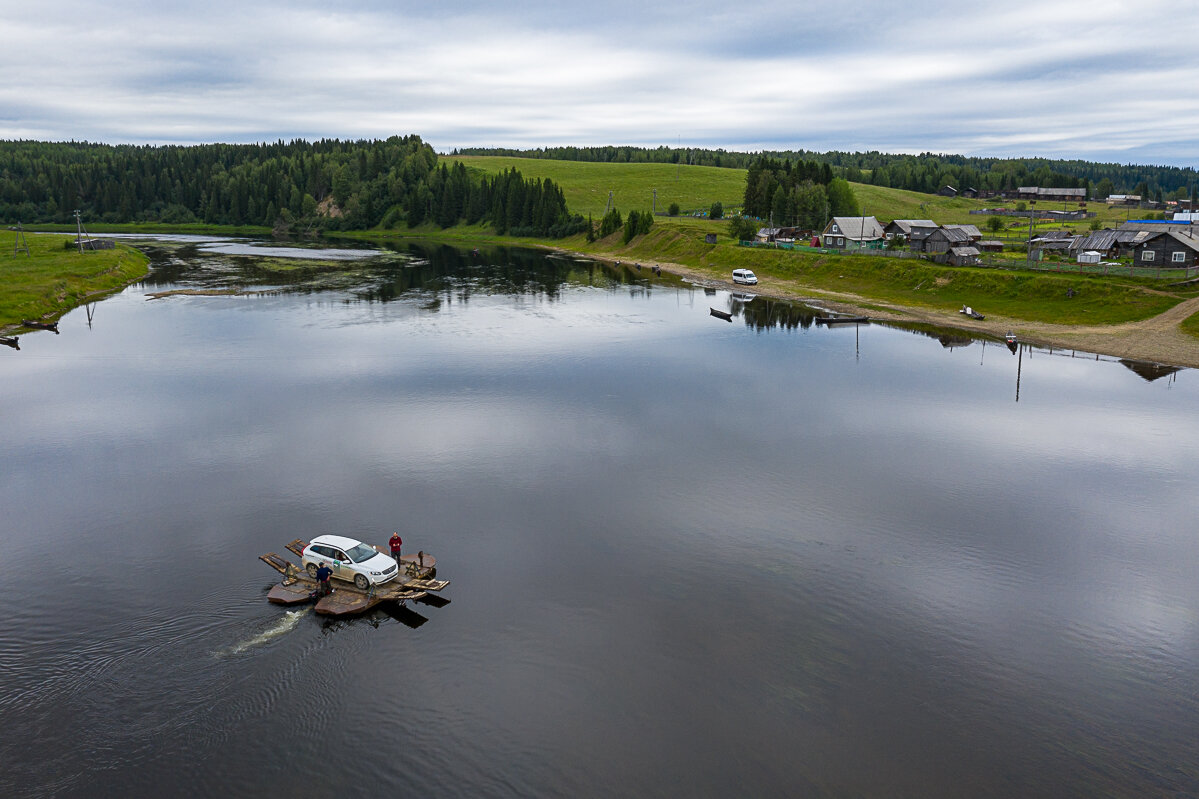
[396,542]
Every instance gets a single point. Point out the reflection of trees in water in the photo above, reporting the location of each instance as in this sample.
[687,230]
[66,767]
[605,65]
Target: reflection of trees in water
[449,272]
[442,270]
[763,313]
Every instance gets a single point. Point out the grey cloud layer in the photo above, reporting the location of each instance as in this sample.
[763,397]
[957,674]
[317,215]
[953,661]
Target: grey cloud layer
[1010,79]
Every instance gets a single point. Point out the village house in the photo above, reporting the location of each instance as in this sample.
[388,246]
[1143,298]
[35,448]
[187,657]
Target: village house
[942,240]
[852,233]
[1171,250]
[972,232]
[780,235]
[1036,193]
[905,227]
[960,256]
[1107,243]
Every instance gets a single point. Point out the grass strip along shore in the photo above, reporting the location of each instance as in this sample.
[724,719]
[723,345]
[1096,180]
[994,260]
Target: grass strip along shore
[47,281]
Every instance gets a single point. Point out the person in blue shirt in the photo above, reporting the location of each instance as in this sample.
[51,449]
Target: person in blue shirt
[323,574]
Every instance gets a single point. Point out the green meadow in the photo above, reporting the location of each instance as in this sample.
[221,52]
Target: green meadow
[586,183]
[52,280]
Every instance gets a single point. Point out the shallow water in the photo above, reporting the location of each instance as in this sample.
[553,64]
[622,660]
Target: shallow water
[688,556]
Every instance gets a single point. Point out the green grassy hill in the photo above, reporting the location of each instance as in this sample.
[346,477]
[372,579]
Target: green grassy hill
[587,183]
[695,188]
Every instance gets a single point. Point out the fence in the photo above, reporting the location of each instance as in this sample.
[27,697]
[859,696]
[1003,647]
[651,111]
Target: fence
[1103,268]
[774,245]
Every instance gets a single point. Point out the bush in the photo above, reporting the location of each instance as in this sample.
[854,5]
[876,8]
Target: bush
[673,210]
[717,210]
[742,228]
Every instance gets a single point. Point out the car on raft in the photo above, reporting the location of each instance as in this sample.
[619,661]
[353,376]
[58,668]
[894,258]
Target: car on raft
[350,560]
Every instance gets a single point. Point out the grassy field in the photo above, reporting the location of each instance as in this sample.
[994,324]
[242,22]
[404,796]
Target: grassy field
[1190,325]
[695,188]
[52,280]
[586,184]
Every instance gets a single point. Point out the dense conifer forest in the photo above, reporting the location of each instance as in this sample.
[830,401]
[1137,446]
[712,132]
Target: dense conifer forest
[299,185]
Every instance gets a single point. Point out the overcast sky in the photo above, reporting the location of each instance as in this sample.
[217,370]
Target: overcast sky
[1101,80]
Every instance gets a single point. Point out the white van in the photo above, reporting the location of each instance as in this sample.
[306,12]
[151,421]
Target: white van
[745,277]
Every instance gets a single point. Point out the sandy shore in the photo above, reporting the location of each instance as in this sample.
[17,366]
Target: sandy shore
[1156,340]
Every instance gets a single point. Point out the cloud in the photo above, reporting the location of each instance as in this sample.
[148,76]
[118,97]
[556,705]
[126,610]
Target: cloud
[1014,79]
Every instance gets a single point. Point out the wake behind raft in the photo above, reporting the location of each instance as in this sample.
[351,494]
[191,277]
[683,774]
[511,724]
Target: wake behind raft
[347,599]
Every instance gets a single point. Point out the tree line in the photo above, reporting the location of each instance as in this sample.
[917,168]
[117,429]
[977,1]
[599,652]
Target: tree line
[796,193]
[926,172]
[327,184]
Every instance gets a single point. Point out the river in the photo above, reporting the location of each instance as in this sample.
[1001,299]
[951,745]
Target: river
[688,556]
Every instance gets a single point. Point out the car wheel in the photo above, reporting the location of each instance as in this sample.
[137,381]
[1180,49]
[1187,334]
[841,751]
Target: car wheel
[361,581]
[312,569]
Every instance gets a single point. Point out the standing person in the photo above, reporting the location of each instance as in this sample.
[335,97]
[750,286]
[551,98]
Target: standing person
[396,542]
[323,574]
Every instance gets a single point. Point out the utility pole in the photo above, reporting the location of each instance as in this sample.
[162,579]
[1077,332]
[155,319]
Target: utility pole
[79,231]
[19,242]
[608,207]
[655,202]
[1031,214]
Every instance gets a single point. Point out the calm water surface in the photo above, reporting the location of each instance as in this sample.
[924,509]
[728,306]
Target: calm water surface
[688,556]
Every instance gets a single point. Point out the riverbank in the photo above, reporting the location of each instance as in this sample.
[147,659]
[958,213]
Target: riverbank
[1125,318]
[49,280]
[1138,319]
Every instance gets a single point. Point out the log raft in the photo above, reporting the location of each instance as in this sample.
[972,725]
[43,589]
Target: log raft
[347,599]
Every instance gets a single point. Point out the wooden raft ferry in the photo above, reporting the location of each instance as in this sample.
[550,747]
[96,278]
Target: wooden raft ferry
[347,599]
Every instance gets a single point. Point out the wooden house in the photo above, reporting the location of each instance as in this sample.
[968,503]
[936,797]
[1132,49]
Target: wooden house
[960,256]
[1170,250]
[941,240]
[1051,195]
[905,227]
[1104,242]
[852,232]
[972,232]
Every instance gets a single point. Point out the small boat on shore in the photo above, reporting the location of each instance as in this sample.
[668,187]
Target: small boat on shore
[51,326]
[1010,340]
[725,315]
[973,314]
[842,320]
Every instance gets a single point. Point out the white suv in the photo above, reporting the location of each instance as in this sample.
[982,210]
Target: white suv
[350,560]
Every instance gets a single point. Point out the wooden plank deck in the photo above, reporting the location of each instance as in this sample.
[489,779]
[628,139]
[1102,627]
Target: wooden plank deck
[347,599]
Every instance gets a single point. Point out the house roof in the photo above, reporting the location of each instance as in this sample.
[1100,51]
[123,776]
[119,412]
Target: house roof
[954,235]
[906,225]
[1190,242]
[1042,192]
[964,252]
[1155,225]
[970,230]
[1100,240]
[859,228]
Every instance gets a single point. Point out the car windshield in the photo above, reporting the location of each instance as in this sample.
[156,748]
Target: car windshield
[361,553]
